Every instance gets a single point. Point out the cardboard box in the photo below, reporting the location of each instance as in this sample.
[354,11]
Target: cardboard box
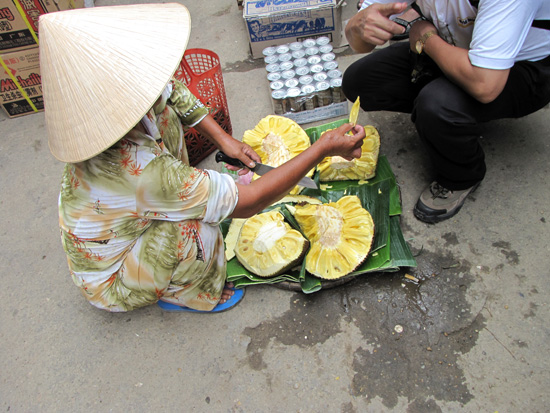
[19,20]
[275,22]
[333,110]
[21,88]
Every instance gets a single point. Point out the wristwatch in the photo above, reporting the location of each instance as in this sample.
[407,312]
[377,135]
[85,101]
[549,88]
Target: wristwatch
[422,41]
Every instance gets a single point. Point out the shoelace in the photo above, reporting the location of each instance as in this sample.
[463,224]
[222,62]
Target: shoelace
[439,192]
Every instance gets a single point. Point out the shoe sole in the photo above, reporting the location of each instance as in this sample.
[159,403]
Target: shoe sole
[434,219]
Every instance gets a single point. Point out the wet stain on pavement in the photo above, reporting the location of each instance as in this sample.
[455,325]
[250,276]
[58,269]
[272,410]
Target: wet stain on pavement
[505,248]
[450,239]
[414,331]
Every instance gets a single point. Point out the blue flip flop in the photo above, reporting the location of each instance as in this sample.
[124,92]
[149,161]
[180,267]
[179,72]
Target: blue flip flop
[235,299]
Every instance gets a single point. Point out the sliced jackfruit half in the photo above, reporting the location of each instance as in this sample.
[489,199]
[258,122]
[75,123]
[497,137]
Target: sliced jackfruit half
[336,168]
[276,140]
[341,235]
[268,246]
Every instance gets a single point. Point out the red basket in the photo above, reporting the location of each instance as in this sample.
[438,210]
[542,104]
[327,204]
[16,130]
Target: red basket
[201,72]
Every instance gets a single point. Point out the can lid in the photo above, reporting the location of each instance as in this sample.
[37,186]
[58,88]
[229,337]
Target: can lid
[293,92]
[328,57]
[288,74]
[269,51]
[337,82]
[276,85]
[300,62]
[316,68]
[282,49]
[302,70]
[285,57]
[322,85]
[270,59]
[293,82]
[278,94]
[286,66]
[320,41]
[273,67]
[273,76]
[295,46]
[326,48]
[328,66]
[308,43]
[313,60]
[318,77]
[311,51]
[307,89]
[297,54]
[306,79]
[334,74]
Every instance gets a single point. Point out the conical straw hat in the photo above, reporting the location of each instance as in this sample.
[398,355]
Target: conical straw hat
[103,68]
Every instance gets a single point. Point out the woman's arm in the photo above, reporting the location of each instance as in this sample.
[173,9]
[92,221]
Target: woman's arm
[275,184]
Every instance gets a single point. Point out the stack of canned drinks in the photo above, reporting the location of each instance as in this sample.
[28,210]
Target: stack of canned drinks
[303,75]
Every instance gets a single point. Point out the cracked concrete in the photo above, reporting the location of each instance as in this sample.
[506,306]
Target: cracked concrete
[471,335]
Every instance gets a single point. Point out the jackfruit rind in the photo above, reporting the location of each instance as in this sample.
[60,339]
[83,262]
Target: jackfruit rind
[341,235]
[268,246]
[232,237]
[336,168]
[276,140]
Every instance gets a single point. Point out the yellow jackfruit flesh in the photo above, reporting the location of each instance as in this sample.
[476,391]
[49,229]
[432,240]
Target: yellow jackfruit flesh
[268,246]
[336,168]
[341,235]
[276,140]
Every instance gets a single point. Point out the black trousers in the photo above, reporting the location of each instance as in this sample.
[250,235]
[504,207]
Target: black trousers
[447,119]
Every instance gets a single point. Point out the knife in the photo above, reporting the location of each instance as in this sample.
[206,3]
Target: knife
[261,169]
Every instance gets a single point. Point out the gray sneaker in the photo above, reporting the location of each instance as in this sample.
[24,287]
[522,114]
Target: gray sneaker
[437,203]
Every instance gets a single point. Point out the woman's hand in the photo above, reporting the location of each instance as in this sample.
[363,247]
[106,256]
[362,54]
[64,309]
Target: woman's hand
[241,151]
[339,143]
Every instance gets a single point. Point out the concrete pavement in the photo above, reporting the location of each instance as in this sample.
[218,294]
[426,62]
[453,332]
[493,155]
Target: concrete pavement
[474,336]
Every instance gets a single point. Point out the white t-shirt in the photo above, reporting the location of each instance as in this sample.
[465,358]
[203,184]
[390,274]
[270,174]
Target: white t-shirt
[502,33]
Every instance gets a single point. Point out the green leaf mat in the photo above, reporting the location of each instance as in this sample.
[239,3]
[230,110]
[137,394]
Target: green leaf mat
[380,196]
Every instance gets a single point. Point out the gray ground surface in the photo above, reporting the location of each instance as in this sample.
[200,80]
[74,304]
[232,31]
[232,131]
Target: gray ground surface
[474,331]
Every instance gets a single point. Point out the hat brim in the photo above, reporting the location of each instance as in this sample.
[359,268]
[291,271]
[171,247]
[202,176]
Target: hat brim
[103,68]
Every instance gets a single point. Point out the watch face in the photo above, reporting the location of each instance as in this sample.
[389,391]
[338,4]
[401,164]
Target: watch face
[419,46]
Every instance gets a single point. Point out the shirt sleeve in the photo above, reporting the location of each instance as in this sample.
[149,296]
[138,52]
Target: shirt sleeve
[189,109]
[169,190]
[500,30]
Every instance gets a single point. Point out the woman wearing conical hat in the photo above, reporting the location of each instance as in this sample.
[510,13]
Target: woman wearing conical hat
[138,224]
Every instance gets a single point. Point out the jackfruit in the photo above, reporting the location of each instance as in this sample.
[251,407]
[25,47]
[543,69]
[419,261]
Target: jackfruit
[340,233]
[268,246]
[336,168]
[276,140]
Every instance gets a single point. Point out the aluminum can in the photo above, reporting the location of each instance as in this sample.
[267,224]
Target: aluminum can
[309,97]
[285,66]
[272,58]
[305,80]
[273,67]
[323,40]
[285,57]
[295,46]
[327,57]
[290,83]
[330,66]
[280,102]
[326,48]
[313,60]
[301,71]
[319,77]
[324,93]
[273,76]
[309,43]
[282,49]
[276,85]
[312,51]
[268,51]
[288,74]
[316,68]
[297,54]
[334,74]
[300,62]
[295,104]
[336,86]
